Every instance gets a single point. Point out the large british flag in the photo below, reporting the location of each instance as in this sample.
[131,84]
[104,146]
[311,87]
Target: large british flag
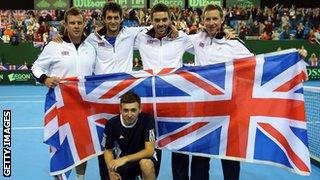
[250,110]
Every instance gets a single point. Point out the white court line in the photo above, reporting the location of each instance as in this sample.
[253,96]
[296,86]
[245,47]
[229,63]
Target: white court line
[311,88]
[31,96]
[31,101]
[25,128]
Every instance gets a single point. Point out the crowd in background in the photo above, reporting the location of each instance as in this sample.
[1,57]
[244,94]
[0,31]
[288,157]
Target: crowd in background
[274,23]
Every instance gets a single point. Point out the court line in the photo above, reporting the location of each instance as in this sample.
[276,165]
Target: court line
[22,96]
[31,101]
[26,128]
[311,87]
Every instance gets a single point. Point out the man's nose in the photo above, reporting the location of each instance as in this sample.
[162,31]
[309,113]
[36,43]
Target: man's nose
[211,21]
[113,20]
[161,23]
[130,114]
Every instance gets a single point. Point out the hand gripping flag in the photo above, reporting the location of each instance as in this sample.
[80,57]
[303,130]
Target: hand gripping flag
[251,110]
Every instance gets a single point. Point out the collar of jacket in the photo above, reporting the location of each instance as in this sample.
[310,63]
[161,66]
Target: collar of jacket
[152,32]
[103,31]
[66,38]
[219,35]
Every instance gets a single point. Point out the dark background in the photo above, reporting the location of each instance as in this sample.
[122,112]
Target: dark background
[28,4]
[16,4]
[288,3]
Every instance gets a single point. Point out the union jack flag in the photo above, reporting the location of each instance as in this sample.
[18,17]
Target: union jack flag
[2,67]
[251,110]
[22,67]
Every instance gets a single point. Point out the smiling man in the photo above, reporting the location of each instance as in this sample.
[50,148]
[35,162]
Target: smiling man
[211,47]
[73,57]
[114,43]
[60,60]
[156,48]
[134,132]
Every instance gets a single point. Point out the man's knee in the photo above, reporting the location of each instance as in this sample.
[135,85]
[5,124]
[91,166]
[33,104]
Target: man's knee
[146,166]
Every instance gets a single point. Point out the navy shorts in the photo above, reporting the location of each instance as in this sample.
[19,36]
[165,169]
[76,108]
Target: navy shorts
[131,170]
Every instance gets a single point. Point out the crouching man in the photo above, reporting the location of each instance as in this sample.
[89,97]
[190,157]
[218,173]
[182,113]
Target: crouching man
[133,133]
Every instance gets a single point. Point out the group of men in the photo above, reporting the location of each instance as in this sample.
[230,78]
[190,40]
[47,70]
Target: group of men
[110,50]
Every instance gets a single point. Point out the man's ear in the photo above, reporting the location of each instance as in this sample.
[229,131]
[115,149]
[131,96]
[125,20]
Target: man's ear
[140,110]
[64,24]
[120,108]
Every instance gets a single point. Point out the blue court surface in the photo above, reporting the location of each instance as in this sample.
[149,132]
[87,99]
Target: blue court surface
[30,157]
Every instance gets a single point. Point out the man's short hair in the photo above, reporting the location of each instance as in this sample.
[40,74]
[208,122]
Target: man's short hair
[160,8]
[130,97]
[211,7]
[74,11]
[111,6]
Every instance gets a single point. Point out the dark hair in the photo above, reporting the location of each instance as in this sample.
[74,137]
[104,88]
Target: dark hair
[160,8]
[132,14]
[211,7]
[130,97]
[111,6]
[74,11]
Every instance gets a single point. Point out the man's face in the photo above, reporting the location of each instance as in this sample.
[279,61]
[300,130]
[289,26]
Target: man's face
[160,22]
[112,21]
[75,26]
[130,112]
[212,22]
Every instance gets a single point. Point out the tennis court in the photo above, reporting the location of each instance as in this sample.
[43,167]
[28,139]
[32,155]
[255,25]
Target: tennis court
[30,157]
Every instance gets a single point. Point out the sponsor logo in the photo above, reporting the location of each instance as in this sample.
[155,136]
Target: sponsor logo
[20,77]
[314,73]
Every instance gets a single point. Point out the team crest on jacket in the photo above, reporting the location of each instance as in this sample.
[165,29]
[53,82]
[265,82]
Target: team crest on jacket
[65,53]
[149,41]
[201,44]
[101,44]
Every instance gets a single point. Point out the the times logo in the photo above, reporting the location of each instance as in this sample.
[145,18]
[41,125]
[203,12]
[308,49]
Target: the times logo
[6,151]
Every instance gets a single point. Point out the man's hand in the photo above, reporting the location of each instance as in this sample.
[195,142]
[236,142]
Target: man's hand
[229,35]
[114,176]
[57,38]
[51,82]
[303,53]
[174,32]
[114,164]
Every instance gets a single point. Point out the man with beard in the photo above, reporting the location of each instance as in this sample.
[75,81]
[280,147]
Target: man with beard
[157,49]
